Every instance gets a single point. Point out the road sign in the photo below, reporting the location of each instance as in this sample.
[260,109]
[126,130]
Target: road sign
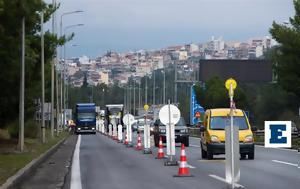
[169,115]
[128,119]
[164,114]
[146,107]
[229,82]
[232,150]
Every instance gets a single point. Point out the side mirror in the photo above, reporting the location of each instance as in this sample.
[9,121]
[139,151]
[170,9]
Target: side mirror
[254,129]
[202,129]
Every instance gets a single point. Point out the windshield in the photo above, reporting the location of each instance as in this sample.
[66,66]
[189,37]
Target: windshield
[86,116]
[219,122]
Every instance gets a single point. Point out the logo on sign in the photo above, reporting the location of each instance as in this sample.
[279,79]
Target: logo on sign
[278,134]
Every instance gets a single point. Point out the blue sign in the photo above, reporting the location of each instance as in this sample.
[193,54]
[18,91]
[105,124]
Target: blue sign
[278,134]
[194,107]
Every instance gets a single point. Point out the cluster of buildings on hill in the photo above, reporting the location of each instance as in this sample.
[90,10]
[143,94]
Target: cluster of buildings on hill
[115,67]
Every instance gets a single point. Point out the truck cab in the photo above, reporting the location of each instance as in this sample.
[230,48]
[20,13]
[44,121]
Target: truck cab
[85,118]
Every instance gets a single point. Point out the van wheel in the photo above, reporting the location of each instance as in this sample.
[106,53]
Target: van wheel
[156,142]
[251,155]
[243,156]
[203,153]
[210,155]
[186,142]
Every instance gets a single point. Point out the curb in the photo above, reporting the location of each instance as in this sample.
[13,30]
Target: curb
[25,171]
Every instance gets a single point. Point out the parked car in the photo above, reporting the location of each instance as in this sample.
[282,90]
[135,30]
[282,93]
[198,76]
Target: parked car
[181,132]
[213,133]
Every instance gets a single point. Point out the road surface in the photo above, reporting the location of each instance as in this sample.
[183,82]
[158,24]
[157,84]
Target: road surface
[104,163]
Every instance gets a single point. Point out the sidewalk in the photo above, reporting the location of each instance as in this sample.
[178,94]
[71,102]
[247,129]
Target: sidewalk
[51,173]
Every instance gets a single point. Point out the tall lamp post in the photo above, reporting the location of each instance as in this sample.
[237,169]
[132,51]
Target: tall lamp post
[63,74]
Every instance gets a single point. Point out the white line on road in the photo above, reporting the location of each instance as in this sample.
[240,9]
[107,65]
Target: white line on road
[190,166]
[195,138]
[223,180]
[192,145]
[286,163]
[75,172]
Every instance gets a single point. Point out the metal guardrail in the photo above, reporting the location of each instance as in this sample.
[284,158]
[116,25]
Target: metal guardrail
[196,132]
[262,133]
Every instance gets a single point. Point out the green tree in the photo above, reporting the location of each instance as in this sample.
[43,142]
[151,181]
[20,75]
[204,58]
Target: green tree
[286,56]
[11,14]
[215,95]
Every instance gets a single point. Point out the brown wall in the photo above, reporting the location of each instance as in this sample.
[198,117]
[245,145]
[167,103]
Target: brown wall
[249,71]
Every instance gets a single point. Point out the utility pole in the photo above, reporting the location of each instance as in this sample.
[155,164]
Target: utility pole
[52,76]
[175,88]
[140,94]
[153,86]
[43,78]
[164,89]
[146,89]
[133,97]
[57,101]
[22,91]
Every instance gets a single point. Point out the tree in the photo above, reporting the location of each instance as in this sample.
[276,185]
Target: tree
[11,14]
[215,95]
[286,56]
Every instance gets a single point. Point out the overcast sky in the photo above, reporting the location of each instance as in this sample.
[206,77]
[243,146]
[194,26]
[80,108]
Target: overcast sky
[124,25]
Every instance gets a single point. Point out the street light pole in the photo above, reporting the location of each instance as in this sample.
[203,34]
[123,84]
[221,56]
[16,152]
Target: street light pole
[61,25]
[63,77]
[22,90]
[43,78]
[164,89]
[133,97]
[146,90]
[52,74]
[153,86]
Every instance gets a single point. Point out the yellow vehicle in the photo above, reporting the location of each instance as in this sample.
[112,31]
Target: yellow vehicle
[213,133]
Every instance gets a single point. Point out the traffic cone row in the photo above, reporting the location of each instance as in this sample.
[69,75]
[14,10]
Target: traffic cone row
[139,143]
[183,170]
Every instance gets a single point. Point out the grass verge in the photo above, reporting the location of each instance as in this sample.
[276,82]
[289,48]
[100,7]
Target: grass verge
[10,163]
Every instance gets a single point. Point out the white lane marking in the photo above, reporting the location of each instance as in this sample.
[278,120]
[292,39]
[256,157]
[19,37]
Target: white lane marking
[190,166]
[195,138]
[284,149]
[286,163]
[196,146]
[75,172]
[224,180]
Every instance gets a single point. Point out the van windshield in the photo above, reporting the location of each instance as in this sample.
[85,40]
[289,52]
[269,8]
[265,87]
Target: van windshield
[219,122]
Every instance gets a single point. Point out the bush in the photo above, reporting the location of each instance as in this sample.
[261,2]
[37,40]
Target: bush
[13,129]
[31,129]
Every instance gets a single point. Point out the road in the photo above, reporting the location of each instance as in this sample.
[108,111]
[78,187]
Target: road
[104,163]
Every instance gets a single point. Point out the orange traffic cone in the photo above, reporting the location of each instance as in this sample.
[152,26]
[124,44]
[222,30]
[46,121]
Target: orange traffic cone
[139,143]
[160,154]
[126,140]
[183,169]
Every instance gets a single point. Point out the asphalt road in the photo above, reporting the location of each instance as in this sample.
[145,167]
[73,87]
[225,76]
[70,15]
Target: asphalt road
[104,163]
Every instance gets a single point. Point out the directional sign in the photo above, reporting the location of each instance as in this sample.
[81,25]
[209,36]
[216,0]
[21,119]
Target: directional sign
[128,119]
[146,107]
[174,114]
[229,82]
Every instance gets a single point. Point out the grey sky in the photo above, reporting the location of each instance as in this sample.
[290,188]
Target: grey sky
[124,25]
